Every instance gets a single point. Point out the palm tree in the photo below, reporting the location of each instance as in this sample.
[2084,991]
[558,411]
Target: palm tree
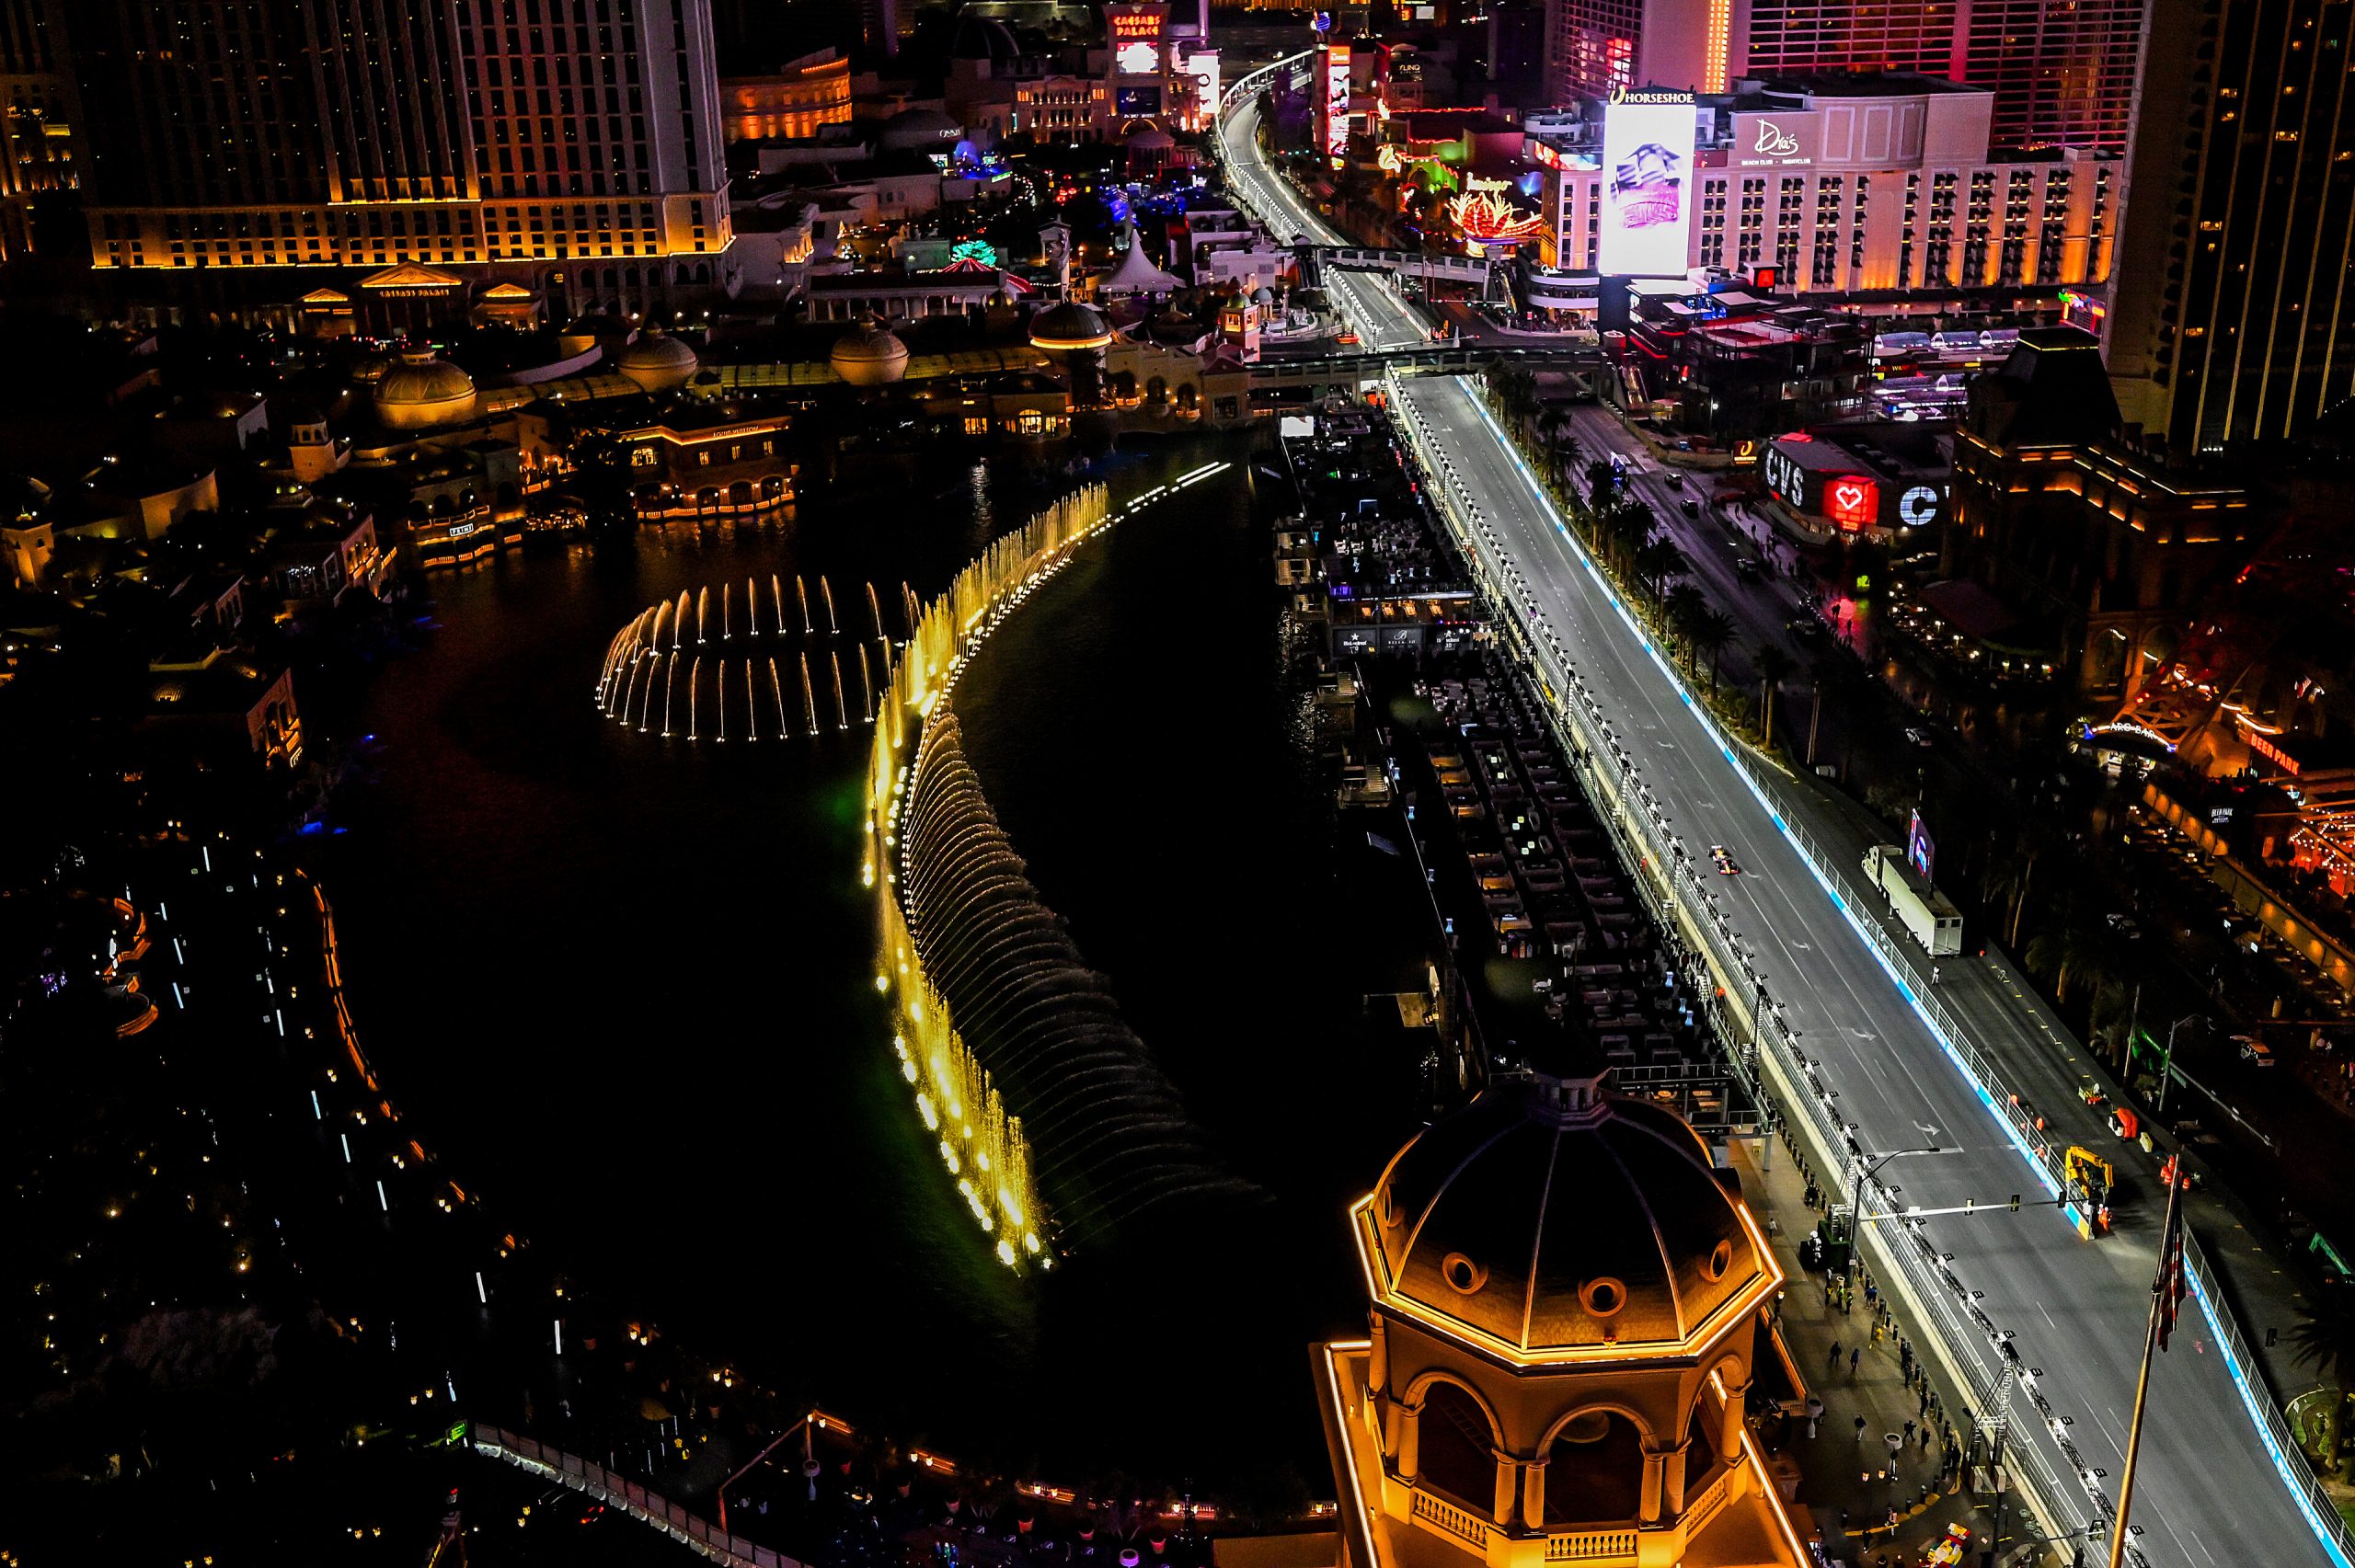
[1568,457]
[1836,672]
[2325,1340]
[1600,479]
[1773,667]
[1712,633]
[2008,878]
[1681,607]
[2110,1023]
[2070,949]
[1552,420]
[1628,527]
[1656,561]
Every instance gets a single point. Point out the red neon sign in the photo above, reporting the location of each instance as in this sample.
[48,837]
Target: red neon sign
[2270,752]
[1852,502]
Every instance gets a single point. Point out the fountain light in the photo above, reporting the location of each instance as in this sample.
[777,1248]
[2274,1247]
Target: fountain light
[913,691]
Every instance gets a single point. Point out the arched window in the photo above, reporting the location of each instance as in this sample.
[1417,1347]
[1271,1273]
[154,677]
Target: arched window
[1457,1448]
[1700,1460]
[1594,1473]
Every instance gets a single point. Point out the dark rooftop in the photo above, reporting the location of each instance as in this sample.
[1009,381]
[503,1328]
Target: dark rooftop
[2051,389]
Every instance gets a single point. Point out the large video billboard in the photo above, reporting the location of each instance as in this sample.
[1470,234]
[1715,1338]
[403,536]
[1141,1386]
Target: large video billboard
[1647,170]
[1337,99]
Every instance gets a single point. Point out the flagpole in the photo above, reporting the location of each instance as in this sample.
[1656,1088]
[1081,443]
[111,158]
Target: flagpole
[2159,1291]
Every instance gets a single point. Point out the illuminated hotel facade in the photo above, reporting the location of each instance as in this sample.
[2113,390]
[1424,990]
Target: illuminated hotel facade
[2237,321]
[528,138]
[38,116]
[1855,185]
[2061,75]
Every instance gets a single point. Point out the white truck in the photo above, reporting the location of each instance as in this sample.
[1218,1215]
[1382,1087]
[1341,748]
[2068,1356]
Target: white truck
[1920,907]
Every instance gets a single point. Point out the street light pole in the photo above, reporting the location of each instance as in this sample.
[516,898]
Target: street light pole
[2166,1061]
[1858,1175]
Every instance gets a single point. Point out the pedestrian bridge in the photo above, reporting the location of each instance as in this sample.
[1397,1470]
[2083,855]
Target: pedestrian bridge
[1404,263]
[1361,366]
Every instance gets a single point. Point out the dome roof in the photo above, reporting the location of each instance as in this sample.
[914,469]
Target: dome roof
[982,37]
[422,392]
[1068,326]
[869,355]
[1552,1216]
[920,130]
[658,362]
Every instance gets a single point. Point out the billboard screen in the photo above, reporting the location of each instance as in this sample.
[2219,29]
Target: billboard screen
[1648,167]
[1139,58]
[1203,63]
[1775,140]
[1337,99]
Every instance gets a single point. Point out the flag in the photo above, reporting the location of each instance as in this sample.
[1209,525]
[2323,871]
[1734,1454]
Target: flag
[2169,1284]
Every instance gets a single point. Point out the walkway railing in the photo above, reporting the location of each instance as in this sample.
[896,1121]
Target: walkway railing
[691,1530]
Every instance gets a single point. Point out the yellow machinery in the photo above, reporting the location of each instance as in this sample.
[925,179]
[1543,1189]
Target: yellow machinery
[2090,1182]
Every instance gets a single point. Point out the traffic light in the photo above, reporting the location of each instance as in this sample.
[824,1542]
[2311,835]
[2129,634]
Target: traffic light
[2016,1203]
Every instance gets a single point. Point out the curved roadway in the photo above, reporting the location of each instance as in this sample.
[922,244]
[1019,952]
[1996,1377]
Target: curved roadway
[2209,1494]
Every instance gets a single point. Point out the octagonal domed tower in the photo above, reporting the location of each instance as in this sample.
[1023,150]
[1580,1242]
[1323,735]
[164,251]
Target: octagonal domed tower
[1566,1302]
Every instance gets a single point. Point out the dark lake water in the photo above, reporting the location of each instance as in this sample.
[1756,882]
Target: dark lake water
[624,981]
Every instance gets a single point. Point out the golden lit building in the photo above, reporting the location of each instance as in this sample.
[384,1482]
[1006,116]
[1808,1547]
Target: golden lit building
[795,102]
[577,149]
[1566,1305]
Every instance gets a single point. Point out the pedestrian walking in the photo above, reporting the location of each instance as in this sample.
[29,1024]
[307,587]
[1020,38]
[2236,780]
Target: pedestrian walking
[1896,1446]
[1860,1430]
[1875,1330]
[1905,1356]
[1835,1365]
[1909,1432]
[1854,1356]
[1924,1411]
